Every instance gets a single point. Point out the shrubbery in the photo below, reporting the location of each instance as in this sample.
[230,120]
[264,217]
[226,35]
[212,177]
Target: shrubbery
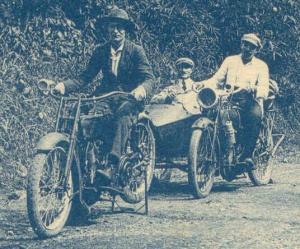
[53,39]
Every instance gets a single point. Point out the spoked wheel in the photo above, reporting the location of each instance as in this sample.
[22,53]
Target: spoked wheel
[49,192]
[202,162]
[141,161]
[262,155]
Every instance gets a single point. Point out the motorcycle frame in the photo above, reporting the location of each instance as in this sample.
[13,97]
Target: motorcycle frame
[73,138]
[216,123]
[72,145]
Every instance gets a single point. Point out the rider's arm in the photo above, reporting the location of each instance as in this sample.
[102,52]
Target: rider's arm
[143,71]
[262,87]
[166,94]
[88,74]
[219,77]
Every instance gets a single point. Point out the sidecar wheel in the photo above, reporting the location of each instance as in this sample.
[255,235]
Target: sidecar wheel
[202,162]
[262,156]
[48,199]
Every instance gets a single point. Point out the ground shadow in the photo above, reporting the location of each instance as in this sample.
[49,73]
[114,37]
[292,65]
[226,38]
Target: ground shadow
[14,226]
[170,188]
[176,189]
[224,186]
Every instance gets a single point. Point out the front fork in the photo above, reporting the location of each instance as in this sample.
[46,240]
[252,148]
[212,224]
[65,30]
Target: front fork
[72,155]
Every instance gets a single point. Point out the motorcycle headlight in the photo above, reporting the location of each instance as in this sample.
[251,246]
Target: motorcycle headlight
[207,97]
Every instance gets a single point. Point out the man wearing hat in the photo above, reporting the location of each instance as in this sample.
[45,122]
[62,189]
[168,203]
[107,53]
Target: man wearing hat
[182,84]
[245,71]
[125,67]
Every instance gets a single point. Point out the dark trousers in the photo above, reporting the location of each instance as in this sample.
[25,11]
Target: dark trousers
[251,117]
[246,119]
[117,114]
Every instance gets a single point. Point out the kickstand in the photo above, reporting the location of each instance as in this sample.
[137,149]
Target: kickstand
[145,205]
[113,202]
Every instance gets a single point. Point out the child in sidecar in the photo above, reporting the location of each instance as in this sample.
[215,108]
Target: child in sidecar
[181,85]
[172,113]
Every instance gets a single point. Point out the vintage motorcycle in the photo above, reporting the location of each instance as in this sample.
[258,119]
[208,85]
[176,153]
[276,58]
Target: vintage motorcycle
[209,153]
[64,178]
[189,136]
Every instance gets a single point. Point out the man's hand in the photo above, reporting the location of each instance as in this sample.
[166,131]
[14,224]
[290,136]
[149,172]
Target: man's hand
[197,86]
[60,88]
[260,101]
[139,93]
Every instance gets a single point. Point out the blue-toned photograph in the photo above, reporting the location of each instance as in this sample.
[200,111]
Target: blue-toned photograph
[151,124]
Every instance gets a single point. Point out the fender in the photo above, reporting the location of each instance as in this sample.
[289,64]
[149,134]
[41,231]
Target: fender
[48,141]
[201,123]
[143,117]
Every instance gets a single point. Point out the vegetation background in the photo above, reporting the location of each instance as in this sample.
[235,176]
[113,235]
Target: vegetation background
[54,39]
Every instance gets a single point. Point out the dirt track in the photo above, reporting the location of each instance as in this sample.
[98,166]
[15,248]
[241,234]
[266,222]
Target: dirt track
[235,215]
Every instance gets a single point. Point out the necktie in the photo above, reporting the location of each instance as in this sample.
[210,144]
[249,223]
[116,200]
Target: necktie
[183,85]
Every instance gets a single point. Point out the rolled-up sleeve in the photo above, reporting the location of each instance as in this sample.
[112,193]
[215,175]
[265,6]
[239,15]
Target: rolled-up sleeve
[262,87]
[219,76]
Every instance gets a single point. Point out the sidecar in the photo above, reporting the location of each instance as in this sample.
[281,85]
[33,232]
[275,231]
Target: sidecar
[172,126]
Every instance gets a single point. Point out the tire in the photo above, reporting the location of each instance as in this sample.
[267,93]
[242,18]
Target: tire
[262,156]
[48,203]
[146,143]
[201,171]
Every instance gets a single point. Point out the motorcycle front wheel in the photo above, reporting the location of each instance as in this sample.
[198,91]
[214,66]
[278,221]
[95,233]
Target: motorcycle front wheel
[202,162]
[49,192]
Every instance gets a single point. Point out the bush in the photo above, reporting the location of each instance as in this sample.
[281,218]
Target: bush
[54,39]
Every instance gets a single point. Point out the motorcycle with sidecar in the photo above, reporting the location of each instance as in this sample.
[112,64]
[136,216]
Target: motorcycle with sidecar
[65,180]
[189,136]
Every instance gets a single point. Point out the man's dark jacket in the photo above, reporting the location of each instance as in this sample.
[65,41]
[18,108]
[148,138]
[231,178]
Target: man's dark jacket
[133,70]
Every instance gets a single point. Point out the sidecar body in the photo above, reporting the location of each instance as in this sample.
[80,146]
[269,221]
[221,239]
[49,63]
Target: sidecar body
[172,125]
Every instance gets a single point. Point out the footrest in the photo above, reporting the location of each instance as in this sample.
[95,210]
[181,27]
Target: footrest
[111,190]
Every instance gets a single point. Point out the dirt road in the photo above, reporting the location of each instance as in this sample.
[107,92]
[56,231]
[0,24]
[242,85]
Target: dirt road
[235,215]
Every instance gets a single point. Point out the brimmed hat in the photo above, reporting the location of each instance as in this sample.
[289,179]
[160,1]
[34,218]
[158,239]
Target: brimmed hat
[253,39]
[185,60]
[118,15]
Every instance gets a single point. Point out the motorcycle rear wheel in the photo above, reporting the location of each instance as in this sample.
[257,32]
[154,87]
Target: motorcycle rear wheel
[262,156]
[202,162]
[134,191]
[48,198]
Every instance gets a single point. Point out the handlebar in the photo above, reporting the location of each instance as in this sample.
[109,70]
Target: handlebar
[225,90]
[47,86]
[59,97]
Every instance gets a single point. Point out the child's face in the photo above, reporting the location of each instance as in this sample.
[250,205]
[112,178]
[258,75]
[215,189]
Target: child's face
[184,71]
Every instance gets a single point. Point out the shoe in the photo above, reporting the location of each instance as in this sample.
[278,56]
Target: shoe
[250,164]
[111,163]
[107,173]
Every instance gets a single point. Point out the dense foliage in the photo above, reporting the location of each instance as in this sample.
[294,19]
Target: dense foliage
[54,39]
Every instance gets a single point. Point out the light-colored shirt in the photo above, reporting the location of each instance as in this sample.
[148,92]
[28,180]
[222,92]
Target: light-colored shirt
[115,57]
[253,75]
[179,87]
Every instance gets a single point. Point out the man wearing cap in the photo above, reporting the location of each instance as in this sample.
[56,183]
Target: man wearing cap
[182,84]
[125,67]
[245,71]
